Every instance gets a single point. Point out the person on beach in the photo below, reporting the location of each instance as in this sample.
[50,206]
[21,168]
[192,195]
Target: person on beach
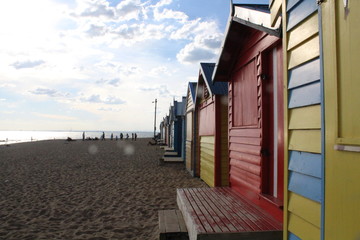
[135,136]
[83,135]
[103,136]
[121,136]
[112,136]
[132,137]
[127,136]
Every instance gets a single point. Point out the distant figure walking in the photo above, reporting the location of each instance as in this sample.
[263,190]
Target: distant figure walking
[127,136]
[135,135]
[132,136]
[112,136]
[83,135]
[103,136]
[121,136]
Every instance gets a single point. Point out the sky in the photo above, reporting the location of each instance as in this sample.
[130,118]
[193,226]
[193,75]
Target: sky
[100,64]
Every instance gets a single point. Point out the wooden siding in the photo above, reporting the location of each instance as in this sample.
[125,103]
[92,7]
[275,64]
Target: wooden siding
[189,141]
[297,225]
[207,159]
[305,208]
[246,96]
[306,51]
[298,11]
[303,32]
[244,143]
[248,174]
[303,157]
[189,155]
[305,118]
[207,118]
[342,109]
[224,151]
[189,101]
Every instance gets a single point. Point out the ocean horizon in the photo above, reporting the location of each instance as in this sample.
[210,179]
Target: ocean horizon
[11,137]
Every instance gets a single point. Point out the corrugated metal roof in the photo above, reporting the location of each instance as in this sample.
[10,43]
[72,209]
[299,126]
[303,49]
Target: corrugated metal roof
[216,88]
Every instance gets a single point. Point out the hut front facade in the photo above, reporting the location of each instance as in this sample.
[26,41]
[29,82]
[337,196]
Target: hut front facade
[211,109]
[251,62]
[322,131]
[176,113]
[190,128]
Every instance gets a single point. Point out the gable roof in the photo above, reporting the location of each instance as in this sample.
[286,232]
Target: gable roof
[244,20]
[192,88]
[215,88]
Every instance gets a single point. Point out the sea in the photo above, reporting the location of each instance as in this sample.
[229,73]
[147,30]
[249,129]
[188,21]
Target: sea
[11,137]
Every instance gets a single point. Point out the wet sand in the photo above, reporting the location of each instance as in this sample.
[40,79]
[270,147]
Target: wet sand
[86,189]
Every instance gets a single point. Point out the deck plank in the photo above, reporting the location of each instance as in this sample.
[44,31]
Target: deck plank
[212,218]
[223,221]
[190,213]
[263,220]
[221,212]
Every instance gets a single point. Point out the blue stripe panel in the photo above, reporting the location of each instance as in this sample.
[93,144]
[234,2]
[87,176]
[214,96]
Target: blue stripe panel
[305,163]
[305,95]
[304,9]
[291,4]
[292,236]
[304,74]
[306,186]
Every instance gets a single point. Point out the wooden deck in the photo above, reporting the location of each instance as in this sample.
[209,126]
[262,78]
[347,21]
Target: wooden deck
[221,213]
[172,225]
[169,153]
[173,160]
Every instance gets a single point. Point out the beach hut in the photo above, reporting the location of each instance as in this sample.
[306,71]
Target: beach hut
[162,130]
[322,131]
[211,109]
[176,123]
[251,62]
[250,66]
[167,130]
[190,127]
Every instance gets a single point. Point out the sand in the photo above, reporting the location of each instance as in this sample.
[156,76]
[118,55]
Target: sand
[86,189]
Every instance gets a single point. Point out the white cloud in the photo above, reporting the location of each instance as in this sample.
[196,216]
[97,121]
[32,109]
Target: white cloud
[27,64]
[113,82]
[54,116]
[170,14]
[161,90]
[162,3]
[203,48]
[96,30]
[107,100]
[48,92]
[96,8]
[129,9]
[160,71]
[140,32]
[92,57]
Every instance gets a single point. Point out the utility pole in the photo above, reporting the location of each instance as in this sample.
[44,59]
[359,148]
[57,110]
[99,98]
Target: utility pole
[155,118]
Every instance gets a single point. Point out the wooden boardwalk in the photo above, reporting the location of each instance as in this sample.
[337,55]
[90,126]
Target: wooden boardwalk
[221,213]
[172,225]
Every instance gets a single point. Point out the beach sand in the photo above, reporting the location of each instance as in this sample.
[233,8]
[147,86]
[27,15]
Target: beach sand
[86,189]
